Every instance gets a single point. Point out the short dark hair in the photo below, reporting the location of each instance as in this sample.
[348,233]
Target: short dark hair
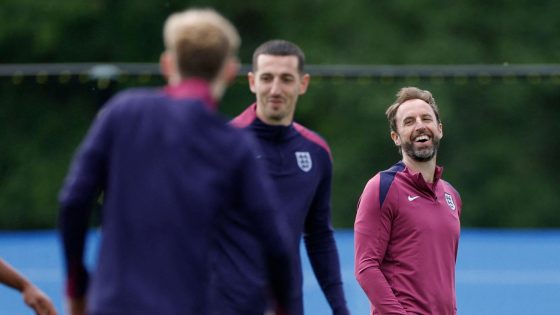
[279,47]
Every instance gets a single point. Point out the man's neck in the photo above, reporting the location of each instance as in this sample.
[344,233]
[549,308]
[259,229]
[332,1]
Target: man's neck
[217,86]
[427,169]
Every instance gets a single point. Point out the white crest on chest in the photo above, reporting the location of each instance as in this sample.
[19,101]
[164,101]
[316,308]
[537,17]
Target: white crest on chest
[304,161]
[450,201]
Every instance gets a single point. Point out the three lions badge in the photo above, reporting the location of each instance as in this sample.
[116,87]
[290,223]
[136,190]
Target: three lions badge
[450,201]
[304,161]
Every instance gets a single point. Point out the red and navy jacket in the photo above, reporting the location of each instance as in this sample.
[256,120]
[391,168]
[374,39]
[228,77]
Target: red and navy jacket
[300,165]
[406,242]
[170,169]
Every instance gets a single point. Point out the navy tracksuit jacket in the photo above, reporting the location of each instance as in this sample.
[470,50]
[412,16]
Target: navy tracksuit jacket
[170,170]
[300,166]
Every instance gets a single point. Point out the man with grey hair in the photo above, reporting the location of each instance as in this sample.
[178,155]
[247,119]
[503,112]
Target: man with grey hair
[171,171]
[407,226]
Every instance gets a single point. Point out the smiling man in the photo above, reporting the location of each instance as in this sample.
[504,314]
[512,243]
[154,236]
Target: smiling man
[299,162]
[407,226]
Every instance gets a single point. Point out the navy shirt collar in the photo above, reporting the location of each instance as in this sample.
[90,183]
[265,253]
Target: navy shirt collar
[273,132]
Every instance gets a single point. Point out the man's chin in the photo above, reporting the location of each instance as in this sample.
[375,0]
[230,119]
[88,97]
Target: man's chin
[276,105]
[420,155]
[423,155]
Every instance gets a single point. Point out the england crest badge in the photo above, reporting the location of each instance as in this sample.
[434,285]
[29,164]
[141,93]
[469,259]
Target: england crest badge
[450,201]
[304,161]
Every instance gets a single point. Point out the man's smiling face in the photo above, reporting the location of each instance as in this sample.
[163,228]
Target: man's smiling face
[418,130]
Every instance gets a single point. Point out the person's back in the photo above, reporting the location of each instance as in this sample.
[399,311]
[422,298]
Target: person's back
[165,187]
[170,169]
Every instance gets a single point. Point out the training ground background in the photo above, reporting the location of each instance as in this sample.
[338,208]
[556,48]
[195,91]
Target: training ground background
[498,271]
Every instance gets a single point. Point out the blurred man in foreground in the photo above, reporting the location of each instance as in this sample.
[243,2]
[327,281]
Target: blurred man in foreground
[170,170]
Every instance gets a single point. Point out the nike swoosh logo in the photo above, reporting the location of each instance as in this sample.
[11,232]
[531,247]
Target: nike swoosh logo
[410,198]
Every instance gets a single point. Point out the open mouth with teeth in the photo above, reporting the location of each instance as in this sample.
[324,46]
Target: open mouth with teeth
[422,139]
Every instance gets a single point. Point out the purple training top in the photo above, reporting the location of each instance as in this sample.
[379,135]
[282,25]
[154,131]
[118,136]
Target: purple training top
[406,240]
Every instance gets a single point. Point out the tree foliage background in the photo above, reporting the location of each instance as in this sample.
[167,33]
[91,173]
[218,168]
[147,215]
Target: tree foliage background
[501,135]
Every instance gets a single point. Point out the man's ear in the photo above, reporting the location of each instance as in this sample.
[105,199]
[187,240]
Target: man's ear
[231,69]
[251,78]
[396,138]
[164,66]
[168,67]
[305,79]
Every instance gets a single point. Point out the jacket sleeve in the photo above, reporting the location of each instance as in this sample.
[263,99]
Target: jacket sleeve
[321,246]
[76,198]
[372,230]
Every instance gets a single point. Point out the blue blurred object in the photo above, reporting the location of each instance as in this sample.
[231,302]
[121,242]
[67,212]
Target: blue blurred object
[498,271]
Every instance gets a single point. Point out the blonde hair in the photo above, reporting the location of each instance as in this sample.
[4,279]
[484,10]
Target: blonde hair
[406,94]
[201,40]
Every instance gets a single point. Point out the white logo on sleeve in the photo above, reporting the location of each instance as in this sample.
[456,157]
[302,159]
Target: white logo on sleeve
[450,201]
[304,161]
[410,198]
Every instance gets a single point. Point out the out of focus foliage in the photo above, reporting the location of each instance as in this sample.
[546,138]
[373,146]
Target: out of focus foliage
[501,135]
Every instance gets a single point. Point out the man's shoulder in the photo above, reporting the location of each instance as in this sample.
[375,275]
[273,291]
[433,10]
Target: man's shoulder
[384,180]
[386,177]
[132,100]
[450,187]
[393,170]
[137,94]
[236,139]
[313,137]
[232,145]
[245,118]
[150,95]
